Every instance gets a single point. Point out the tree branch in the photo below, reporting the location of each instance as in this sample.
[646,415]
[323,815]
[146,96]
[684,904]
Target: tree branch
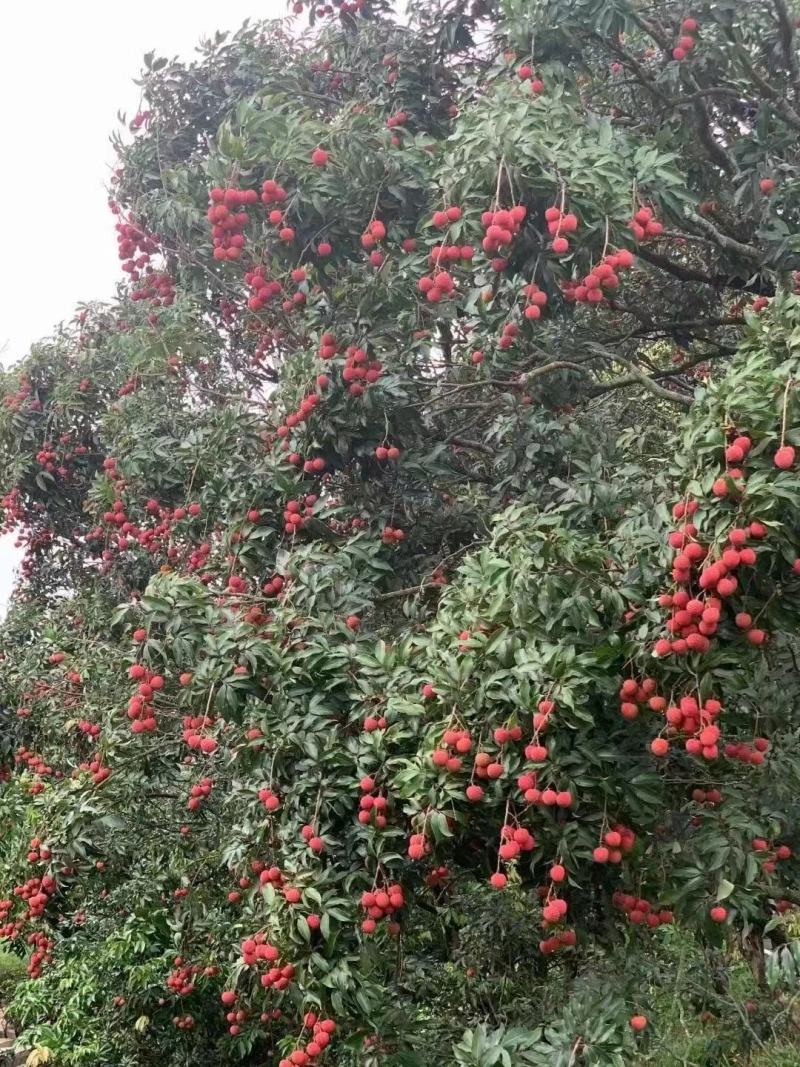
[729,244]
[396,594]
[685,274]
[655,31]
[786,24]
[710,142]
[475,446]
[782,106]
[638,376]
[548,368]
[510,383]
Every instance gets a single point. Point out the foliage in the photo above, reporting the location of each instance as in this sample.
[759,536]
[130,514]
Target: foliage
[403,666]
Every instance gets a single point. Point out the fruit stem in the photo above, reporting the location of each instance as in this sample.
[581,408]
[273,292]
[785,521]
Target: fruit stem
[603,822]
[789,384]
[499,178]
[510,185]
[505,823]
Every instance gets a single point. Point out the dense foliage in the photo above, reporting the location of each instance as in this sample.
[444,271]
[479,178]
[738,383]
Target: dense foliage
[403,664]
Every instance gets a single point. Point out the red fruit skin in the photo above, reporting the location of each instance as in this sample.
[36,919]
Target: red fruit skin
[638,1023]
[784,457]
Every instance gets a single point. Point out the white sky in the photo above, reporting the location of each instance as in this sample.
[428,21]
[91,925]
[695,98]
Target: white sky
[66,69]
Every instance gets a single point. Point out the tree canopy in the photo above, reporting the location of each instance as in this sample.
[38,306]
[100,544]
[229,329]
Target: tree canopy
[403,665]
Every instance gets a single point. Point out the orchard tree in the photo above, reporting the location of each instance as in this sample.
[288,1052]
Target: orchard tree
[403,660]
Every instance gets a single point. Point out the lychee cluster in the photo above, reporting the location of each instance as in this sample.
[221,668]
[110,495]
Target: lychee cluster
[603,278]
[500,229]
[641,912]
[228,224]
[560,223]
[381,904]
[644,225]
[199,793]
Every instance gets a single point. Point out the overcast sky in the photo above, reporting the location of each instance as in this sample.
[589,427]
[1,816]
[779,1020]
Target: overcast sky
[66,69]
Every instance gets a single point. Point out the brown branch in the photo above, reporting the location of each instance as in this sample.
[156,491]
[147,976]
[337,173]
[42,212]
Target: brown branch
[649,327]
[692,274]
[656,31]
[397,593]
[629,380]
[510,383]
[706,357]
[557,364]
[787,33]
[636,67]
[672,372]
[729,244]
[701,94]
[475,446]
[685,274]
[471,405]
[711,144]
[638,376]
[782,106]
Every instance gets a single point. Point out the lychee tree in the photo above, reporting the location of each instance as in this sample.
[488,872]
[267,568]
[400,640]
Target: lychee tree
[405,643]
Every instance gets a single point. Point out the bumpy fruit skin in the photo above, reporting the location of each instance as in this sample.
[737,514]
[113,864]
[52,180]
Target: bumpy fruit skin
[718,914]
[638,1023]
[784,457]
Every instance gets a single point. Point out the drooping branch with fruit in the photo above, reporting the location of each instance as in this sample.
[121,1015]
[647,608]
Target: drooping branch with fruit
[411,549]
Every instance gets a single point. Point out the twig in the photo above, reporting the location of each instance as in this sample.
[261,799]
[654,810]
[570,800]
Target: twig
[396,594]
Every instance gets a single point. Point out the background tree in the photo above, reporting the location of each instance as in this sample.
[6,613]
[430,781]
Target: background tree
[405,646]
